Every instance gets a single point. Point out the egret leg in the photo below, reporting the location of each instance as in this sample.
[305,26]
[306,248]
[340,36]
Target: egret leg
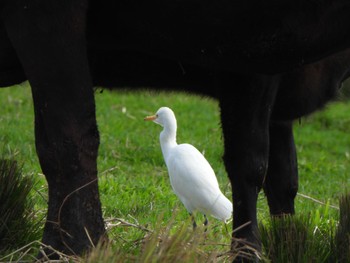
[205,220]
[193,222]
[226,228]
[205,223]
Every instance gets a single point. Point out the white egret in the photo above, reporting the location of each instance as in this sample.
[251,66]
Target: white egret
[191,176]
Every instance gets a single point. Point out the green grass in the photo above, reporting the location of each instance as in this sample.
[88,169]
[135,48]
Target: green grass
[134,185]
[323,146]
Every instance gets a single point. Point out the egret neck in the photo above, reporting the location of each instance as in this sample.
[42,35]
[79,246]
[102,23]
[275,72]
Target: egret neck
[167,137]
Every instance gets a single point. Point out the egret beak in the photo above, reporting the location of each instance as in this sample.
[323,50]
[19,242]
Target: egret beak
[150,118]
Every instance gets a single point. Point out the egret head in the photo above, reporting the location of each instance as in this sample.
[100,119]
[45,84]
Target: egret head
[164,117]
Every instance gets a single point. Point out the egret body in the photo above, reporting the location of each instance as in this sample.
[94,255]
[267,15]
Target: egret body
[191,176]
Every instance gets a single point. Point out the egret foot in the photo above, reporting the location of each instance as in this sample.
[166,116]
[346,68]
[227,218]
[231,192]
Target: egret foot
[205,223]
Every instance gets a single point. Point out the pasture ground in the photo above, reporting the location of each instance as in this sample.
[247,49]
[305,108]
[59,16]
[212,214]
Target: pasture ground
[136,196]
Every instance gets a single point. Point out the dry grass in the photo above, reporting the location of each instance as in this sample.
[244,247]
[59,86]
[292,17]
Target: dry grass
[166,245]
[159,245]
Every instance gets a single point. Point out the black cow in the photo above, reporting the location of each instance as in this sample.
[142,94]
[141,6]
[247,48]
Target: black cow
[235,51]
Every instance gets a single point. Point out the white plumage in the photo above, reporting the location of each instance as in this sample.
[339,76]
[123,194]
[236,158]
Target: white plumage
[191,176]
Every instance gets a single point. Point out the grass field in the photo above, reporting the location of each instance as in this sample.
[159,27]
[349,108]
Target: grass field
[135,191]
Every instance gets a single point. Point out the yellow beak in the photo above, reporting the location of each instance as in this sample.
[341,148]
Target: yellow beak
[150,118]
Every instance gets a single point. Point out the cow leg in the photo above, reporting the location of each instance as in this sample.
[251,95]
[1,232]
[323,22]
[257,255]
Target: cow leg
[49,39]
[281,184]
[245,121]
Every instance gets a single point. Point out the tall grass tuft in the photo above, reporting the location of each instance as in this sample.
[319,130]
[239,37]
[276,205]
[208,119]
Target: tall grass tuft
[164,246]
[295,239]
[342,236]
[17,222]
[104,253]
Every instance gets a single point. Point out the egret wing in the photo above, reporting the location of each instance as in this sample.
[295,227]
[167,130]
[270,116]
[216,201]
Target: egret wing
[192,177]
